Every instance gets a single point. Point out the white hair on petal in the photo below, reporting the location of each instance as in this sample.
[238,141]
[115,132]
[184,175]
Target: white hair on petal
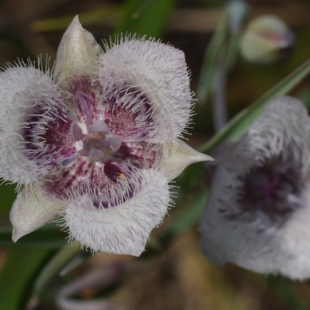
[280,127]
[26,93]
[232,233]
[123,228]
[42,64]
[160,73]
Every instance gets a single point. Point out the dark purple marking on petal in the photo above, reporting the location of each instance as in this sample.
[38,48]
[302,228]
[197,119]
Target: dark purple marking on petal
[112,170]
[58,137]
[50,142]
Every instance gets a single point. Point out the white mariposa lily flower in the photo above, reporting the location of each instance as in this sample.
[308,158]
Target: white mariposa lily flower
[258,214]
[96,141]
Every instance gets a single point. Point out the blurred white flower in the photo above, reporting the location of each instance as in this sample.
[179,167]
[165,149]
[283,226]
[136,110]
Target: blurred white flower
[258,214]
[96,140]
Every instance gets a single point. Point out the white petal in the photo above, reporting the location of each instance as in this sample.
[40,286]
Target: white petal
[124,228]
[77,53]
[160,72]
[25,93]
[252,239]
[32,209]
[279,125]
[177,156]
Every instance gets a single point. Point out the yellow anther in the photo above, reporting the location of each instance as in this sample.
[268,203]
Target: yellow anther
[122,176]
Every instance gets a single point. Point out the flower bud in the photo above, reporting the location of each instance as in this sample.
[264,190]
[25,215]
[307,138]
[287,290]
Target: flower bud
[267,40]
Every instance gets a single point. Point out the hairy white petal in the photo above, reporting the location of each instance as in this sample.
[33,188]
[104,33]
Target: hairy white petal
[252,239]
[279,126]
[25,92]
[177,156]
[33,208]
[160,72]
[124,228]
[77,53]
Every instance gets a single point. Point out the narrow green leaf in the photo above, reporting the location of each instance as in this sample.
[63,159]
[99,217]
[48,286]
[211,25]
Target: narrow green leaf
[146,17]
[16,275]
[239,124]
[211,60]
[224,43]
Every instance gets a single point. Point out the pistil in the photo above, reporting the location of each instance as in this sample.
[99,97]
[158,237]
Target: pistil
[98,142]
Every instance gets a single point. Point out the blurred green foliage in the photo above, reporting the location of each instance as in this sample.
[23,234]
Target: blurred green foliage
[17,276]
[7,197]
[146,17]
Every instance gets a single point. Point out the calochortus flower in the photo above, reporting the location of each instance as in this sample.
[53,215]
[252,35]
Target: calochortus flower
[96,141]
[258,212]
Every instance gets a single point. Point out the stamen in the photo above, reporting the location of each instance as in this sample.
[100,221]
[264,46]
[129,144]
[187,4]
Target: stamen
[76,132]
[100,126]
[114,143]
[84,102]
[98,143]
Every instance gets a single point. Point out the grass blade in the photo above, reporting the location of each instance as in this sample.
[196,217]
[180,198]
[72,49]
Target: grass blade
[239,124]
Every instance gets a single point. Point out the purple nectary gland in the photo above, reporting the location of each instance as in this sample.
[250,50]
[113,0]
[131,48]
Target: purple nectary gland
[81,174]
[57,141]
[123,123]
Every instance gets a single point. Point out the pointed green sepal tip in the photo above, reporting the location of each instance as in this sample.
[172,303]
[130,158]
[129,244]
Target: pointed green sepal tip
[177,156]
[77,53]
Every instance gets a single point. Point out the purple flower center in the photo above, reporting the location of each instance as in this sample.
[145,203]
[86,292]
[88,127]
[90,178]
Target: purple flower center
[273,188]
[106,144]
[98,143]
